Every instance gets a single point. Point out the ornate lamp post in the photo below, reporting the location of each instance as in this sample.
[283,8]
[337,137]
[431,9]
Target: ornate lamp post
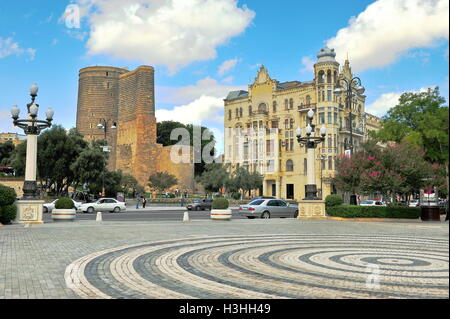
[350,87]
[103,125]
[30,206]
[311,142]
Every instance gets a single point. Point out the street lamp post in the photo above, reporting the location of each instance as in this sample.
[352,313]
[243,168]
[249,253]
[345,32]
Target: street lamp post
[103,125]
[350,87]
[311,142]
[30,206]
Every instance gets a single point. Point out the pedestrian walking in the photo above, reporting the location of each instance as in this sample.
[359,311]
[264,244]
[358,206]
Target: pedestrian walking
[144,201]
[138,202]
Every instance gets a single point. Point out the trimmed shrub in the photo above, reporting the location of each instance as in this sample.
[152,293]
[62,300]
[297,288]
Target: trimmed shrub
[348,211]
[8,213]
[64,203]
[333,200]
[7,195]
[236,196]
[220,203]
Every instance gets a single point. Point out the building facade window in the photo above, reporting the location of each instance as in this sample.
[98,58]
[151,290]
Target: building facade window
[330,163]
[308,100]
[274,106]
[289,166]
[286,104]
[230,114]
[291,104]
[321,118]
[329,118]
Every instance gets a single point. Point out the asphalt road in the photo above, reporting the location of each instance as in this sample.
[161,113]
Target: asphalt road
[140,215]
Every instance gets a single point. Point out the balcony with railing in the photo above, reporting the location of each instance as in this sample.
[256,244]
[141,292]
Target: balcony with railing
[355,130]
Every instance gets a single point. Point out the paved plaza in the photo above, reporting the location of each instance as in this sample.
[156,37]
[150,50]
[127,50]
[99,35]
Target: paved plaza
[258,259]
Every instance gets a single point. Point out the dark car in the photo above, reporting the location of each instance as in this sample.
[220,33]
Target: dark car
[200,204]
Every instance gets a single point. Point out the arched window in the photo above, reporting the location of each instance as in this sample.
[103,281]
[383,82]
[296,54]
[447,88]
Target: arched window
[330,163]
[329,76]
[262,107]
[230,114]
[335,77]
[289,166]
[291,124]
[237,112]
[321,76]
[250,110]
[286,104]
[308,100]
[240,112]
[286,124]
[274,106]
[291,104]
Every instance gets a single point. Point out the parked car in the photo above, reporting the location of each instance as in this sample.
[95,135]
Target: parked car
[413,203]
[372,202]
[200,204]
[104,205]
[48,207]
[268,208]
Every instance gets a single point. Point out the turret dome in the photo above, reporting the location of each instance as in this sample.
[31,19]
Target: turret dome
[326,55]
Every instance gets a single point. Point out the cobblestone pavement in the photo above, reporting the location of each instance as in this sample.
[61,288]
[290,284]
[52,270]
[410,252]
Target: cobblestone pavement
[279,258]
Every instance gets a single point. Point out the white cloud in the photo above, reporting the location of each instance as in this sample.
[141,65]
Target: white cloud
[163,32]
[9,47]
[226,66]
[203,109]
[381,105]
[389,100]
[308,64]
[228,79]
[183,95]
[389,28]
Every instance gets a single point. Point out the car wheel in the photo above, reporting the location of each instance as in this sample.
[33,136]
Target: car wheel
[296,214]
[265,215]
[117,210]
[90,210]
[251,217]
[45,210]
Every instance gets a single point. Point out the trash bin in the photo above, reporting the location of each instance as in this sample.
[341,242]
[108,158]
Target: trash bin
[430,213]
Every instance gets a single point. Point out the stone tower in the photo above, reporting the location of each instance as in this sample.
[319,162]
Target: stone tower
[326,72]
[98,98]
[127,99]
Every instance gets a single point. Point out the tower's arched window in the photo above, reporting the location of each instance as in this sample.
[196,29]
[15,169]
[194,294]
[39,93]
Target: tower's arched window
[329,76]
[335,77]
[321,76]
[289,166]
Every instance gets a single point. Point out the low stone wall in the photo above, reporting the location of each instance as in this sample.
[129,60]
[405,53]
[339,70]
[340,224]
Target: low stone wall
[15,183]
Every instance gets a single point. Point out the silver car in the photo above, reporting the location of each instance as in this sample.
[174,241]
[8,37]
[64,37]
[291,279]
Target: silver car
[268,208]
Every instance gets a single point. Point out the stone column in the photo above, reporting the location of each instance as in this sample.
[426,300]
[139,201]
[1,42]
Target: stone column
[31,161]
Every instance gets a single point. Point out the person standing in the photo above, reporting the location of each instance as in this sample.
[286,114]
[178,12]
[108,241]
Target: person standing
[144,202]
[138,202]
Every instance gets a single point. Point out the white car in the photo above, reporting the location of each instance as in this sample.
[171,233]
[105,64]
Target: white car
[413,203]
[372,202]
[104,205]
[48,207]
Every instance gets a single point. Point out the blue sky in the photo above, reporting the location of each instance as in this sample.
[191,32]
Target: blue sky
[202,49]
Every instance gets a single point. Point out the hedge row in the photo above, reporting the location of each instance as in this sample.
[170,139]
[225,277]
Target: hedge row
[348,211]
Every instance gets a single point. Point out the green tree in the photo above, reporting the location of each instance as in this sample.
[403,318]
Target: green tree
[422,120]
[214,177]
[242,179]
[6,152]
[89,167]
[162,181]
[129,184]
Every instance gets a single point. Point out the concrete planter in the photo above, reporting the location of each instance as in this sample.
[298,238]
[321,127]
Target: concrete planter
[220,214]
[64,215]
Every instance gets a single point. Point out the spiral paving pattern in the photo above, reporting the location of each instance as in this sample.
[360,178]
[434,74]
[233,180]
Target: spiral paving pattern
[267,266]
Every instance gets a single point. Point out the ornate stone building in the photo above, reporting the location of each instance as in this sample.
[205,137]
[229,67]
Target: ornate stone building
[126,100]
[273,111]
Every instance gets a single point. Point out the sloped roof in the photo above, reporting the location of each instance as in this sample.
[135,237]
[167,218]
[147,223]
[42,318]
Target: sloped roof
[233,95]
